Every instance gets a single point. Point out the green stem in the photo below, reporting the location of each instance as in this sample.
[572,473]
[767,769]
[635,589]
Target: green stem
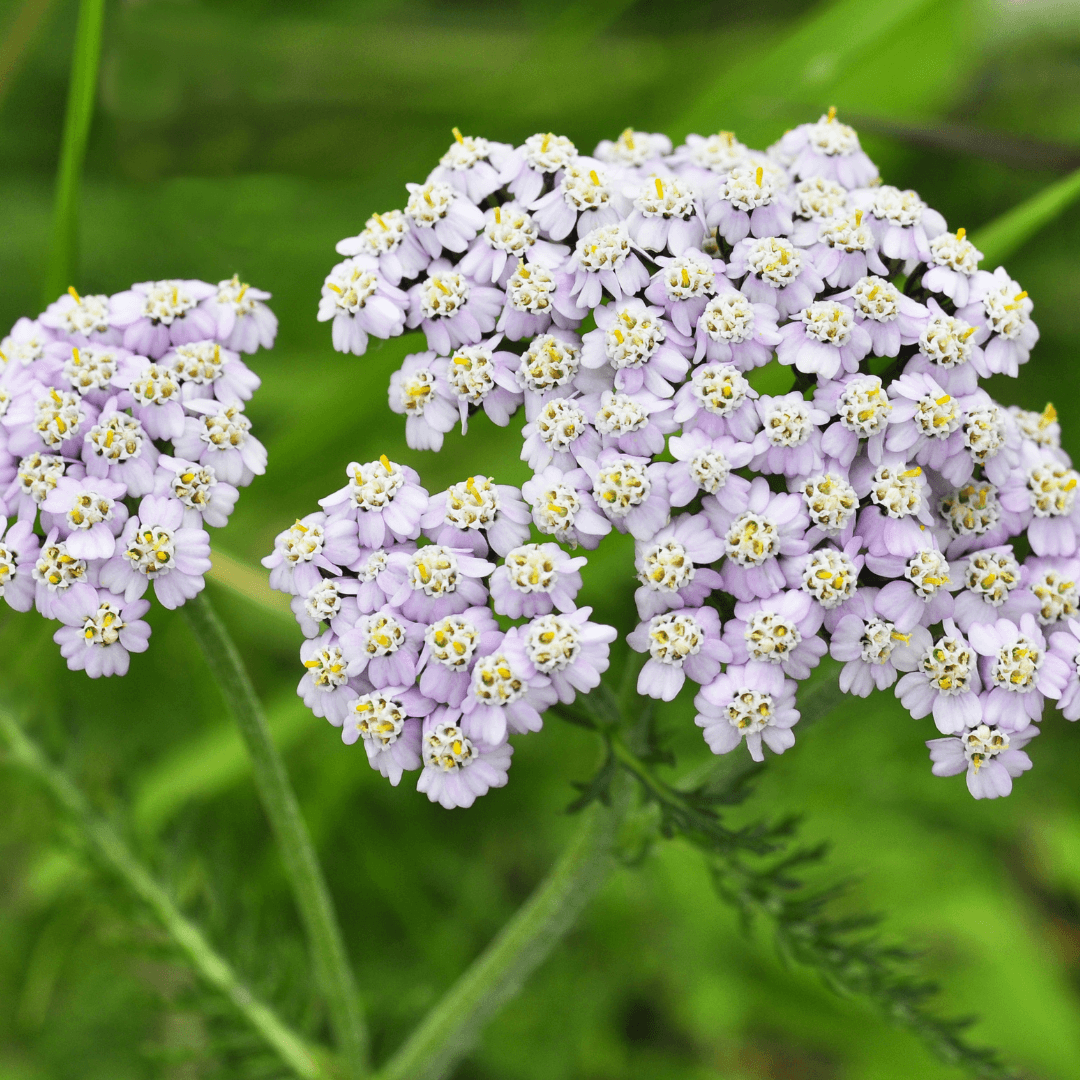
[82,90]
[447,1032]
[294,842]
[208,963]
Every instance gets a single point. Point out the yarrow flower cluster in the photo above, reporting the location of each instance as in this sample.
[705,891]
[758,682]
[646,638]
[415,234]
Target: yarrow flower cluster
[884,509]
[122,438]
[397,593]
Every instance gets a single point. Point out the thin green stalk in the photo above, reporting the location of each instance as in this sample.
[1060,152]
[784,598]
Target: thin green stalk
[998,239]
[217,971]
[82,90]
[448,1031]
[301,863]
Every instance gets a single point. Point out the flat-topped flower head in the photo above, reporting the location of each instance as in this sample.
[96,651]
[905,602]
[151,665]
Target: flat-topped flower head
[824,339]
[35,476]
[707,159]
[100,630]
[828,149]
[219,435]
[754,703]
[719,401]
[954,259]
[604,261]
[388,721]
[827,575]
[472,166]
[117,447]
[666,216]
[813,201]
[680,644]
[59,418]
[19,555]
[541,156]
[584,199]
[563,507]
[775,272]
[361,303]
[441,217]
[630,492]
[244,322]
[55,570]
[683,285]
[89,514]
[90,368]
[990,756]
[633,149]
[458,769]
[434,581]
[750,200]
[945,683]
[1054,584]
[157,314]
[78,316]
[25,344]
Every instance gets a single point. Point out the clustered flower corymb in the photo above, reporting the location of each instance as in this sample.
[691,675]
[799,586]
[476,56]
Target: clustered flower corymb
[122,437]
[397,593]
[885,509]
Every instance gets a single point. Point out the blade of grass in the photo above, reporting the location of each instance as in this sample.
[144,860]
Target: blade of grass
[82,91]
[108,845]
[815,54]
[302,867]
[1009,232]
[250,582]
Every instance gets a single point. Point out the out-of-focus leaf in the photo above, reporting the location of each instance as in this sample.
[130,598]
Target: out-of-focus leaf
[1001,237]
[803,65]
[250,582]
[1018,151]
[209,765]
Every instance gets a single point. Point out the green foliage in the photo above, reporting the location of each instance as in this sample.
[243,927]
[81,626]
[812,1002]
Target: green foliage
[251,135]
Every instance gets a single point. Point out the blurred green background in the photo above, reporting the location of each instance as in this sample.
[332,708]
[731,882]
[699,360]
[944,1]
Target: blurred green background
[251,135]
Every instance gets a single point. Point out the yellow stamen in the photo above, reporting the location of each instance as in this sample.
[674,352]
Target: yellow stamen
[832,114]
[943,400]
[967,333]
[457,135]
[760,175]
[1049,415]
[544,144]
[961,233]
[685,279]
[334,288]
[498,216]
[917,471]
[659,188]
[858,217]
[1021,296]
[74,295]
[628,138]
[385,462]
[593,177]
[382,223]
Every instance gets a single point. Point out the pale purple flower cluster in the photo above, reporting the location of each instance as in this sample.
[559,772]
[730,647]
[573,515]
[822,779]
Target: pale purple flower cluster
[397,593]
[122,437]
[881,506]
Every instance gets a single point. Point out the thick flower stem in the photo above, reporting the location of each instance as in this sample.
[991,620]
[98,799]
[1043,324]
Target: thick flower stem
[82,90]
[112,850]
[448,1031]
[301,863]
